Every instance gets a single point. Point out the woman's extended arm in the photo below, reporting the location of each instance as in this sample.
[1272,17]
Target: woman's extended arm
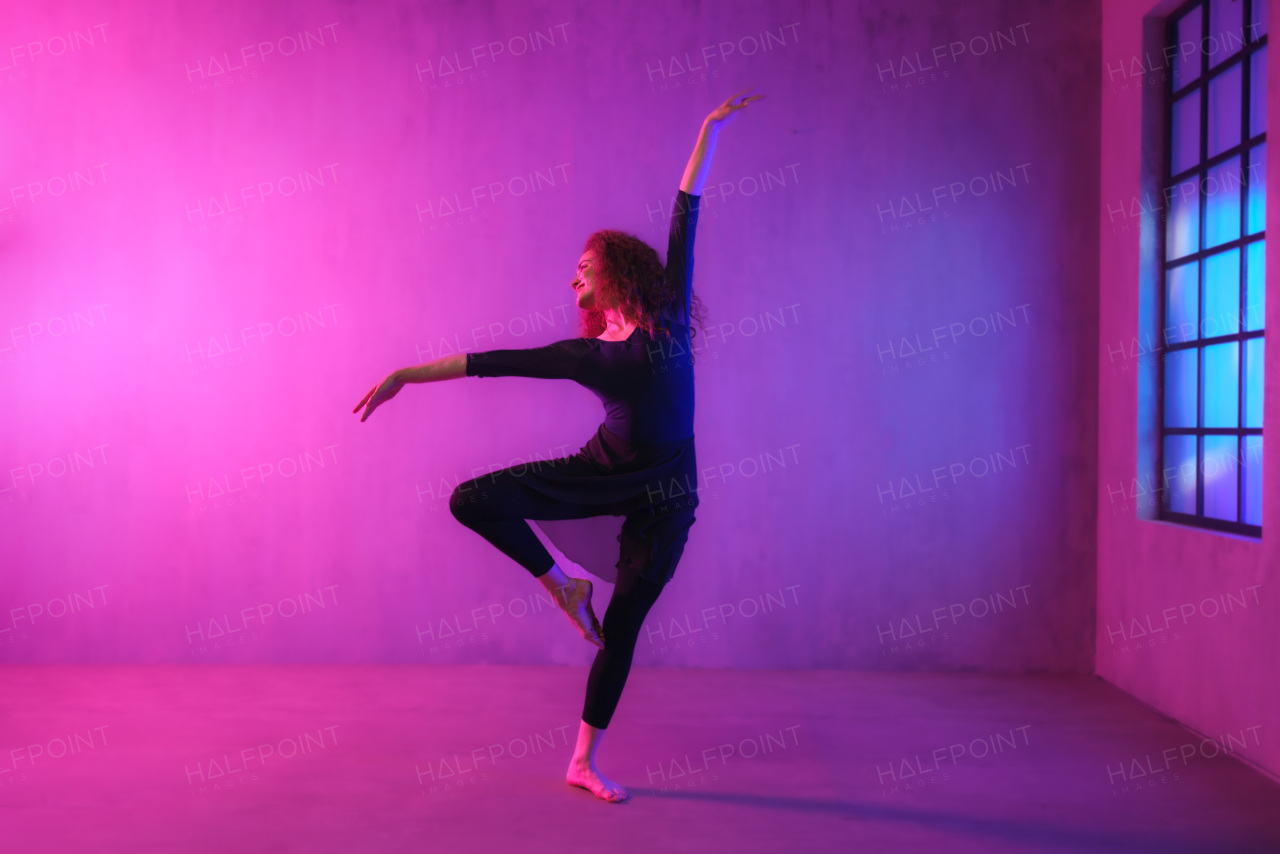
[695,173]
[444,368]
[553,361]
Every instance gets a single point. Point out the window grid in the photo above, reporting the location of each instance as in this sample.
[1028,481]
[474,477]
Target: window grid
[1246,148]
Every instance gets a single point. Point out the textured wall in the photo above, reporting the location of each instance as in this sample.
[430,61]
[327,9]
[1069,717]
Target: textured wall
[1186,617]
[222,223]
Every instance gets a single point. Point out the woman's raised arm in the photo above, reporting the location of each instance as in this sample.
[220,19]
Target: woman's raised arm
[695,173]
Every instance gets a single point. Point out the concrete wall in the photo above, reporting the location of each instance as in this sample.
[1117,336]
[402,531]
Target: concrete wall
[223,222]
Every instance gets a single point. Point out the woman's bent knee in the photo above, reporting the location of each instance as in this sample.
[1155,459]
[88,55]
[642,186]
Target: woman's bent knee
[467,502]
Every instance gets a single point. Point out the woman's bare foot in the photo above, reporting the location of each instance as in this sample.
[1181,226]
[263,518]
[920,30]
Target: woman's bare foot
[584,774]
[575,601]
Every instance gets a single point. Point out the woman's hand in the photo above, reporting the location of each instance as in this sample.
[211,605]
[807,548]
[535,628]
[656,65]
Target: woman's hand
[380,394]
[726,112]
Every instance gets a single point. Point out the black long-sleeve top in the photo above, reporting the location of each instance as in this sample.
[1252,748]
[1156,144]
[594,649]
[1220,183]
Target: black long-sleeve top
[644,382]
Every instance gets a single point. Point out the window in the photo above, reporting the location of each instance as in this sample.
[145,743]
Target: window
[1214,282]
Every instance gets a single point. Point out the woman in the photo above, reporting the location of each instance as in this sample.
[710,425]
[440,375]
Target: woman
[636,355]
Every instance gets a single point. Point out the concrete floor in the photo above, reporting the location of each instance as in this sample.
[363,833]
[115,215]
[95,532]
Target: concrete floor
[471,759]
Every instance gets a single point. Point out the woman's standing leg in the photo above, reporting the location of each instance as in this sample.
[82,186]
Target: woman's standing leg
[632,598]
[646,537]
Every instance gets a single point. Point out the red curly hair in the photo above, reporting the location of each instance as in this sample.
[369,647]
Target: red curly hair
[630,276]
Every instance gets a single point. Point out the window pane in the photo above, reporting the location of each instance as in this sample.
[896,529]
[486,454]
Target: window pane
[1226,29]
[1257,212]
[1261,12]
[1258,93]
[1182,232]
[1180,388]
[1221,294]
[1224,109]
[1253,382]
[1252,473]
[1221,467]
[1180,473]
[1221,386]
[1186,63]
[1255,297]
[1222,203]
[1182,298]
[1186,133]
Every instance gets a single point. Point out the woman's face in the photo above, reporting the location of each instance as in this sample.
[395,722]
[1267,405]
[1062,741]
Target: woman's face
[585,282]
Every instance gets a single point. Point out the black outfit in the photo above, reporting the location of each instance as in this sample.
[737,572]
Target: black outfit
[640,464]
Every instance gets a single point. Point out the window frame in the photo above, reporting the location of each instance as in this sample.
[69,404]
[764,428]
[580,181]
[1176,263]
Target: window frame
[1168,180]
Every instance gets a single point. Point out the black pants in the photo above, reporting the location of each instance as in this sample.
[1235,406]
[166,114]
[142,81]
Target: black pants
[496,506]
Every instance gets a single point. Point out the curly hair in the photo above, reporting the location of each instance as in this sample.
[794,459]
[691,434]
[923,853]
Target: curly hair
[629,275]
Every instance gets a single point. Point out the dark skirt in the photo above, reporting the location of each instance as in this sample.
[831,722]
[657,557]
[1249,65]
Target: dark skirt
[646,494]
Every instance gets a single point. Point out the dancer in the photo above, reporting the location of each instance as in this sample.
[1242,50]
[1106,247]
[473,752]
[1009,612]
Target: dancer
[636,355]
